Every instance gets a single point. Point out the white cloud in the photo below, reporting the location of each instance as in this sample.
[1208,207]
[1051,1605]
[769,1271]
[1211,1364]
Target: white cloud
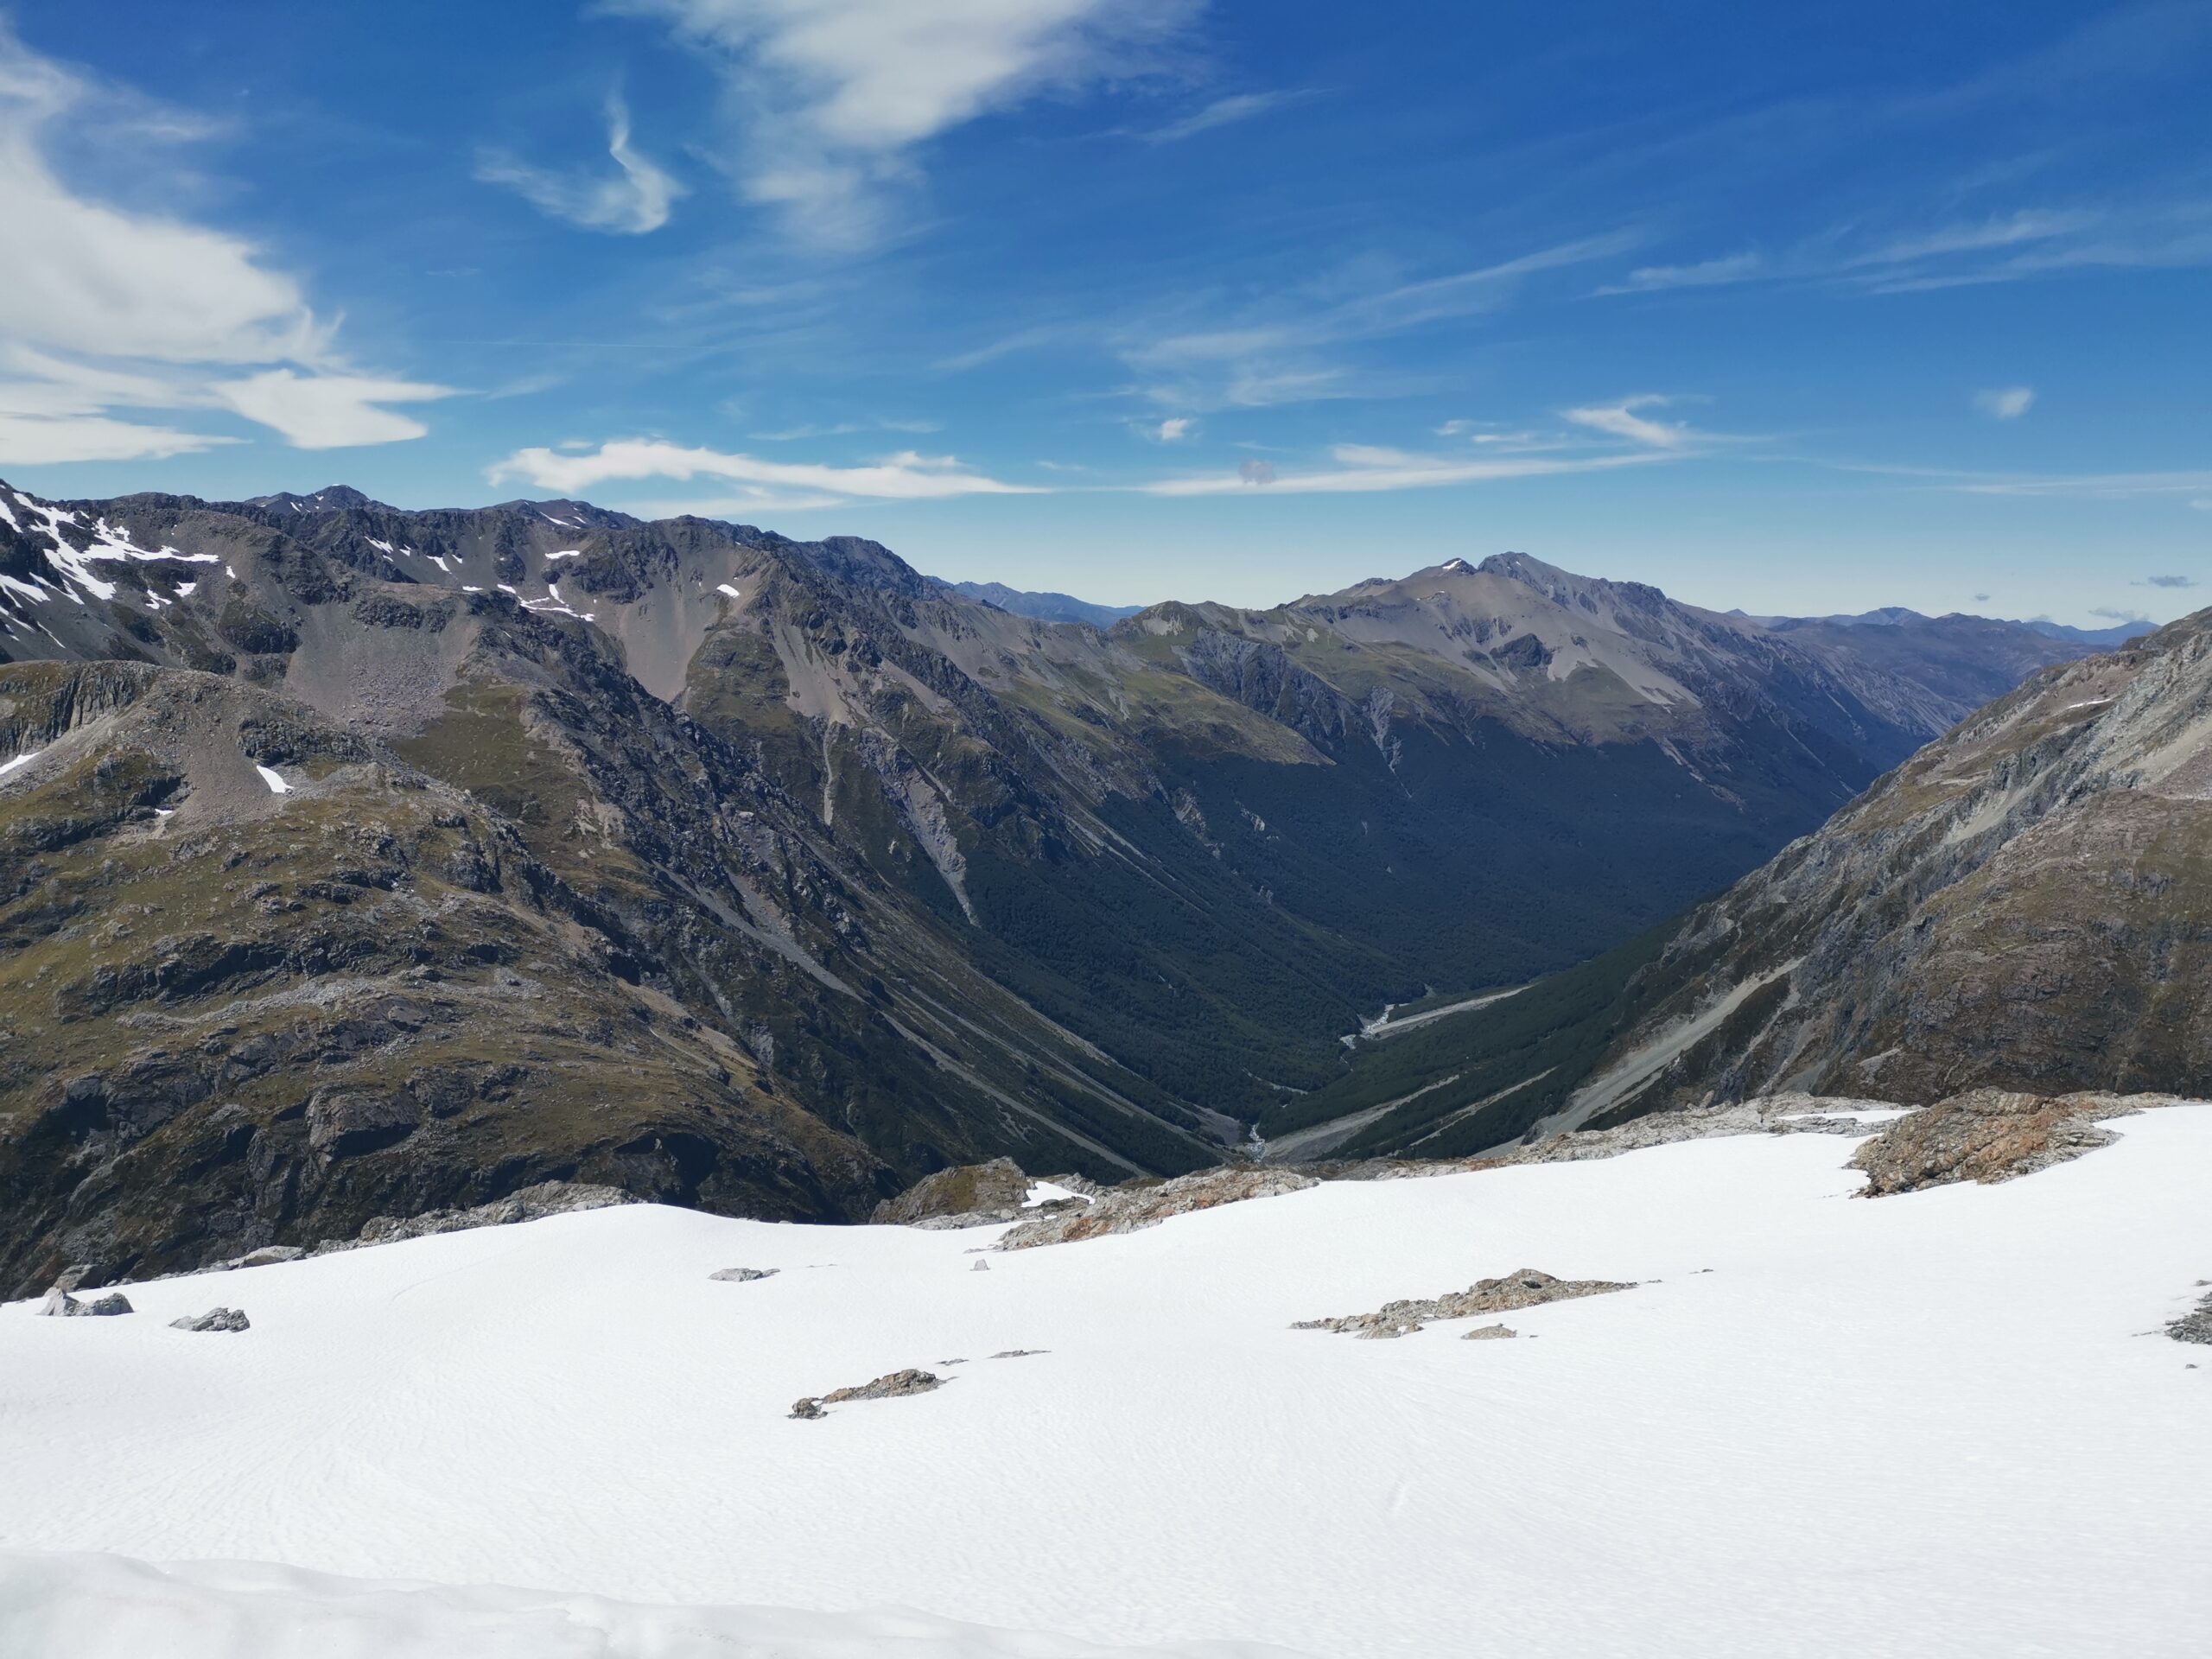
[1621,420]
[2006,403]
[105,309]
[1362,469]
[329,411]
[828,99]
[1173,430]
[634,201]
[903,477]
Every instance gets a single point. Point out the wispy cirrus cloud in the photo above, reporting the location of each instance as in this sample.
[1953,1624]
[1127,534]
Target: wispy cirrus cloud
[905,476]
[1283,353]
[2006,403]
[1222,112]
[123,310]
[1622,419]
[827,102]
[1364,469]
[634,200]
[2003,247]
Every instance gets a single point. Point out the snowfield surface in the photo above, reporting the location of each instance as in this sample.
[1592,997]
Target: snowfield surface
[1943,1423]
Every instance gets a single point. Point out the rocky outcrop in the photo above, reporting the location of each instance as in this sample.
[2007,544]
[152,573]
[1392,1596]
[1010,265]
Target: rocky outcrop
[742,1276]
[1989,1135]
[60,1305]
[895,1385]
[2194,1326]
[215,1319]
[969,1194]
[531,1203]
[1491,1333]
[1524,1287]
[1125,1210]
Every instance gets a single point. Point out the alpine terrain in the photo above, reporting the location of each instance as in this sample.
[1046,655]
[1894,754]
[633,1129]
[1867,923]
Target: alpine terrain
[356,863]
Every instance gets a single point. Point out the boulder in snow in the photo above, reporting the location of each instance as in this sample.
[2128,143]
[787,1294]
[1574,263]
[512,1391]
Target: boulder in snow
[743,1275]
[892,1386]
[215,1319]
[60,1305]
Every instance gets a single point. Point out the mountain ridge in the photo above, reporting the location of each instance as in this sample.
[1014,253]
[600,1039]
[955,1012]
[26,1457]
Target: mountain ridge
[950,882]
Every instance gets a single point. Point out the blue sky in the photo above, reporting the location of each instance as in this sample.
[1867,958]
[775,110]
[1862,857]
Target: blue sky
[1798,309]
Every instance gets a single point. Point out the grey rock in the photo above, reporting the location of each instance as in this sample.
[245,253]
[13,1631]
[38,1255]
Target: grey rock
[1525,1287]
[268,1256]
[892,1386]
[743,1275]
[1490,1334]
[59,1304]
[2194,1326]
[216,1319]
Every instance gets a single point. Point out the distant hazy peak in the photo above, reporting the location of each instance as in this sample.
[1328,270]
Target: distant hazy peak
[1044,606]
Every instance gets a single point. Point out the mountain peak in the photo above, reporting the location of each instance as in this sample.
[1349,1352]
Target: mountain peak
[334,498]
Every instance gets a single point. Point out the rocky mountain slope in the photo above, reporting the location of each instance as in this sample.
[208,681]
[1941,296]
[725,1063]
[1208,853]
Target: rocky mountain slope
[890,878]
[2024,904]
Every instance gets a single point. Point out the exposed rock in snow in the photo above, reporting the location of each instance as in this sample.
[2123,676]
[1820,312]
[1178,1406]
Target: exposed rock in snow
[743,1275]
[893,1386]
[967,1195]
[1524,1287]
[2194,1326]
[215,1319]
[1490,1334]
[1019,1353]
[1987,1135]
[268,1256]
[1124,1209]
[60,1305]
[546,1199]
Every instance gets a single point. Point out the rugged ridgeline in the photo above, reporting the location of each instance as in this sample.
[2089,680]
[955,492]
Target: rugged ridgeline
[371,862]
[2025,905]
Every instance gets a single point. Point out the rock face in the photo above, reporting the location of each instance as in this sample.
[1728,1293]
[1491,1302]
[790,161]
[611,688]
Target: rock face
[59,1304]
[892,1386]
[216,1319]
[2025,905]
[969,1194]
[1989,1135]
[1123,1210]
[1525,1287]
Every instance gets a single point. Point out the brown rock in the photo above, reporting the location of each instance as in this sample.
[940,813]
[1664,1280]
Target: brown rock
[1987,1135]
[1125,1210]
[989,1193]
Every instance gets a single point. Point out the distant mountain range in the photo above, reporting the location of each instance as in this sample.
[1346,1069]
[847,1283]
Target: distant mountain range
[355,862]
[1047,607]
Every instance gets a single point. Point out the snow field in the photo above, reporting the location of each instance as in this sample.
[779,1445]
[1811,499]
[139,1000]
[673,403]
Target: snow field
[1940,1423]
